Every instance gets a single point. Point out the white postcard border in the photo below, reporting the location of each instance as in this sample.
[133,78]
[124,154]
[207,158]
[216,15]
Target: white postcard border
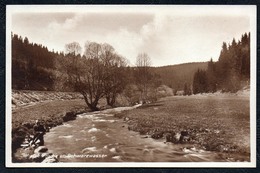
[10,9]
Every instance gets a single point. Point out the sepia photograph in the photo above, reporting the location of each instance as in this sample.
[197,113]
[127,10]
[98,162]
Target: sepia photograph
[131,86]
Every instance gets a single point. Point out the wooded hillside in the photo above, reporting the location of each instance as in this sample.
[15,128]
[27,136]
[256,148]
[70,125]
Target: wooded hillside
[34,67]
[230,73]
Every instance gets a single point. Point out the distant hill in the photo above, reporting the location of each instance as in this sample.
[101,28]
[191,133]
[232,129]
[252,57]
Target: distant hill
[175,76]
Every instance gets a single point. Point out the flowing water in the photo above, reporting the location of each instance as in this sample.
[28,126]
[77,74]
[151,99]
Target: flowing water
[101,137]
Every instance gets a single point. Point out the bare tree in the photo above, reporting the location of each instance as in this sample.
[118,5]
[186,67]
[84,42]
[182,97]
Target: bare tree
[84,73]
[143,60]
[98,73]
[92,77]
[67,67]
[143,75]
[115,79]
[73,48]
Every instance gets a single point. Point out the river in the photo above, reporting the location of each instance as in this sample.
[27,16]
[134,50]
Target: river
[101,137]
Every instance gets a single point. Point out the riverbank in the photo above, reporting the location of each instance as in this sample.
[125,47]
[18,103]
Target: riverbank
[218,124]
[50,108]
[49,113]
[54,114]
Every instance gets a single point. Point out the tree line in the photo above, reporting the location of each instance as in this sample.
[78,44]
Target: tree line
[32,65]
[96,71]
[230,73]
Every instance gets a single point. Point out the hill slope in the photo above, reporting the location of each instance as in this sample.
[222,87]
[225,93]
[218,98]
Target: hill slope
[176,76]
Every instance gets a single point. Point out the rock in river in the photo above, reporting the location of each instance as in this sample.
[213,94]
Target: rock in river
[173,137]
[184,133]
[169,137]
[157,135]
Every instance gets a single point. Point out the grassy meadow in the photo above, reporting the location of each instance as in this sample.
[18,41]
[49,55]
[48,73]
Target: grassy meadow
[215,123]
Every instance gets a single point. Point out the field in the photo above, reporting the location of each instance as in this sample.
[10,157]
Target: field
[46,110]
[215,123]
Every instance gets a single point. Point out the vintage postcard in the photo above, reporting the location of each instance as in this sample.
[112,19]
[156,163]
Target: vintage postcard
[131,86]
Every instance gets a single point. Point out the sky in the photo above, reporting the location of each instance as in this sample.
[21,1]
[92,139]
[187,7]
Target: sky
[168,34]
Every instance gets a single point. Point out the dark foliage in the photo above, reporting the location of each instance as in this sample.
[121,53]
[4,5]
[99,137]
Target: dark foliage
[200,82]
[32,65]
[230,73]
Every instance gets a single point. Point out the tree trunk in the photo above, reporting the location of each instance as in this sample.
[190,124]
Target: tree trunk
[92,106]
[111,100]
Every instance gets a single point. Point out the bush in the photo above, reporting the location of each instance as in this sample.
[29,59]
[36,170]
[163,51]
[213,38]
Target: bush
[164,91]
[132,94]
